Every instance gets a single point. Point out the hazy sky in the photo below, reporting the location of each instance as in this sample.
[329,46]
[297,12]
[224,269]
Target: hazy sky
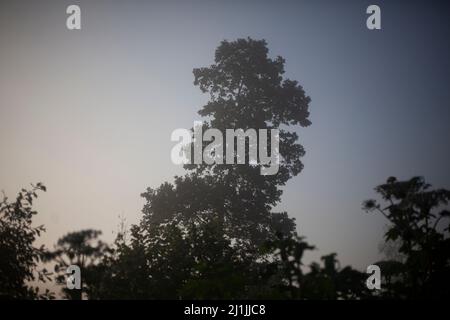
[90,112]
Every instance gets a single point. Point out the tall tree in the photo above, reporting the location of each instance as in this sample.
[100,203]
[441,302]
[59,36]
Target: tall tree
[226,210]
[247,91]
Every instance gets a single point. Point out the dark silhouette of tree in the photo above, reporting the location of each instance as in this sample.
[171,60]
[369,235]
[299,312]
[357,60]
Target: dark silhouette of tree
[247,90]
[419,221]
[212,233]
[327,282]
[84,249]
[284,263]
[201,236]
[18,257]
[333,282]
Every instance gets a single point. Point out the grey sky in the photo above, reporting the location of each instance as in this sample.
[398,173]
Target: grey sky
[90,112]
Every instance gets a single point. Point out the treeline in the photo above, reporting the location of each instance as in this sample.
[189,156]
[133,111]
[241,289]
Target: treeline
[173,261]
[213,234]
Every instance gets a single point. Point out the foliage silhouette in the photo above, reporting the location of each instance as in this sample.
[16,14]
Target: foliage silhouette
[202,235]
[416,215]
[18,257]
[212,233]
[84,249]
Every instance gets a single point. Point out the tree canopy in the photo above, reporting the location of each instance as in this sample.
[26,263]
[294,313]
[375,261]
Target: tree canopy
[213,232]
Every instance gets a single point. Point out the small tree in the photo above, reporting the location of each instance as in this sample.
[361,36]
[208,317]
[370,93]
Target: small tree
[18,257]
[84,249]
[419,221]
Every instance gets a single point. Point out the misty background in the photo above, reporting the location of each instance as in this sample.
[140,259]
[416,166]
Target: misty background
[89,113]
